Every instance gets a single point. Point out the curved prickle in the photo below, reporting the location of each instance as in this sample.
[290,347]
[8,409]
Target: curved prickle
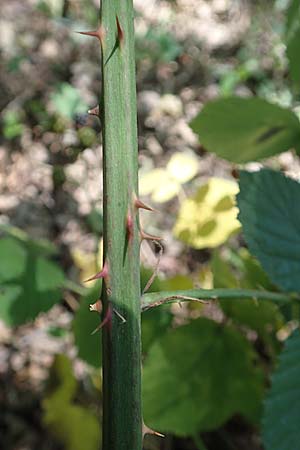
[140,205]
[149,237]
[102,274]
[99,34]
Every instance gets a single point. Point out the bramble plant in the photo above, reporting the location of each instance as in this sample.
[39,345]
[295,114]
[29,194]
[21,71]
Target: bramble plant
[198,375]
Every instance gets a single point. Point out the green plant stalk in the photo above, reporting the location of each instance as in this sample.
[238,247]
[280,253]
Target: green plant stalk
[154,299]
[122,417]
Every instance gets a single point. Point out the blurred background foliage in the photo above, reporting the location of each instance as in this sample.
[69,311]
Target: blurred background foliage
[206,367]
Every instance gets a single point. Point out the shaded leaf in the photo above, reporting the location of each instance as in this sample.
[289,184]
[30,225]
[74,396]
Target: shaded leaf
[13,259]
[30,283]
[84,323]
[246,129]
[268,203]
[209,217]
[177,282]
[262,316]
[73,425]
[197,376]
[155,323]
[95,221]
[41,246]
[146,274]
[281,418]
[293,39]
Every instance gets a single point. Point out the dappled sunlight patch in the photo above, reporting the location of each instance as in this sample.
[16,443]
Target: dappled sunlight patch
[208,218]
[165,183]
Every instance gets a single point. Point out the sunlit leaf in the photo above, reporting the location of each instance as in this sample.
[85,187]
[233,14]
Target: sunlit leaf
[209,217]
[182,167]
[158,183]
[166,191]
[246,129]
[165,184]
[149,181]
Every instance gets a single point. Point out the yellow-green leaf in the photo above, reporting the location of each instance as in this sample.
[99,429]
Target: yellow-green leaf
[159,184]
[182,166]
[209,217]
[165,184]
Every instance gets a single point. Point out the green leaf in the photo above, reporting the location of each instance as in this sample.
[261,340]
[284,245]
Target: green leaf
[246,129]
[41,246]
[146,274]
[155,323]
[281,419]
[263,317]
[293,40]
[30,283]
[268,203]
[197,376]
[223,276]
[67,101]
[95,221]
[12,126]
[13,259]
[84,323]
[74,426]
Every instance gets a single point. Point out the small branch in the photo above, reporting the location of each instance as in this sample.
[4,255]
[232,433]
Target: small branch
[154,299]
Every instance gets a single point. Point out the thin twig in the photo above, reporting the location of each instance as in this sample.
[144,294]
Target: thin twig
[154,299]
[172,298]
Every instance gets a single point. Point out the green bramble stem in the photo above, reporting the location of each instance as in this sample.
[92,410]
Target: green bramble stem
[122,417]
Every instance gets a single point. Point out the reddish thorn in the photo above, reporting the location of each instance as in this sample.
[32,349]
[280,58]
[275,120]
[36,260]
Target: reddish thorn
[102,274]
[106,320]
[140,205]
[94,111]
[147,430]
[96,306]
[120,31]
[129,226]
[149,237]
[99,34]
